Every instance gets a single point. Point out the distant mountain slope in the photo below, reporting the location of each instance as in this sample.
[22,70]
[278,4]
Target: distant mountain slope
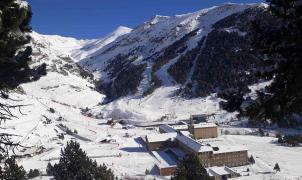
[203,51]
[159,66]
[95,45]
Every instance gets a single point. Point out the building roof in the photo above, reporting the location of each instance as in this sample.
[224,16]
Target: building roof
[167,128]
[204,125]
[198,115]
[178,152]
[161,137]
[164,159]
[180,127]
[220,171]
[226,149]
[192,144]
[185,133]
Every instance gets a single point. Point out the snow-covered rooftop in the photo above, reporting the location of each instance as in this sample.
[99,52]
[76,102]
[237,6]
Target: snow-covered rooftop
[178,152]
[180,127]
[164,159]
[233,148]
[192,144]
[161,137]
[185,133]
[167,128]
[204,125]
[219,171]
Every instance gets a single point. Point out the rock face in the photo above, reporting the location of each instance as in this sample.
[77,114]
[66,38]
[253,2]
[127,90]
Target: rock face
[203,52]
[47,50]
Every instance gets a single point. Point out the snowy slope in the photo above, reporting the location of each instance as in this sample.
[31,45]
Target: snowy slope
[157,34]
[98,44]
[143,45]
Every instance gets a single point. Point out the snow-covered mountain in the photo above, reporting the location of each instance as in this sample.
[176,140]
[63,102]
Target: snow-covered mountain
[168,51]
[95,45]
[150,71]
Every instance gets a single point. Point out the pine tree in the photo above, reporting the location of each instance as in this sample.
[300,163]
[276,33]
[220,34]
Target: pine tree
[280,42]
[75,164]
[11,171]
[33,173]
[14,57]
[49,170]
[261,132]
[190,168]
[14,54]
[251,160]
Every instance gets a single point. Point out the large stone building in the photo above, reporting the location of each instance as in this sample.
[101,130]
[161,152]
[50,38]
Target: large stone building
[198,131]
[203,130]
[208,155]
[214,156]
[178,144]
[157,141]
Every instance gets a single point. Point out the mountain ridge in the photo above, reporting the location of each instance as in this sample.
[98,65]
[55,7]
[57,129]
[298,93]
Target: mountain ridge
[134,66]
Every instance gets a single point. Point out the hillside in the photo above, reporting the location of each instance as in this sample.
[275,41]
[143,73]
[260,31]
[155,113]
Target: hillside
[188,57]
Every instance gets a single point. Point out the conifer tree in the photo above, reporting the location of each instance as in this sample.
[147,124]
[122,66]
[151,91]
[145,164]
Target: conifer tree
[11,171]
[15,19]
[190,168]
[14,55]
[74,164]
[280,42]
[251,160]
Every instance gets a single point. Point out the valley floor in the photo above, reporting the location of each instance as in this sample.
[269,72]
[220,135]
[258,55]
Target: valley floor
[122,149]
[127,156]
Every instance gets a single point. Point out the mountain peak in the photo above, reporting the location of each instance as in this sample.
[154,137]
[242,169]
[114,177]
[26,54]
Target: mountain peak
[158,18]
[122,30]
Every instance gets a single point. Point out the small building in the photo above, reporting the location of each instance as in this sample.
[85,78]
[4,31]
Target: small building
[204,130]
[156,141]
[221,173]
[198,118]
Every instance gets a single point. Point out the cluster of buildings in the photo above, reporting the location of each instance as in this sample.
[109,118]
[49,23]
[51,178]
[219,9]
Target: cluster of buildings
[173,143]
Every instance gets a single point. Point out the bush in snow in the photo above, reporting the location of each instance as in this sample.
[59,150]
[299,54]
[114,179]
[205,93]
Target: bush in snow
[277,167]
[52,110]
[291,140]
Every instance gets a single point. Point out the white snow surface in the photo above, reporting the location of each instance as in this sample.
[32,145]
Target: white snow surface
[96,45]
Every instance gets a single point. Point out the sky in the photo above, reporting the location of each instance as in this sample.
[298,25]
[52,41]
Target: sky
[88,19]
